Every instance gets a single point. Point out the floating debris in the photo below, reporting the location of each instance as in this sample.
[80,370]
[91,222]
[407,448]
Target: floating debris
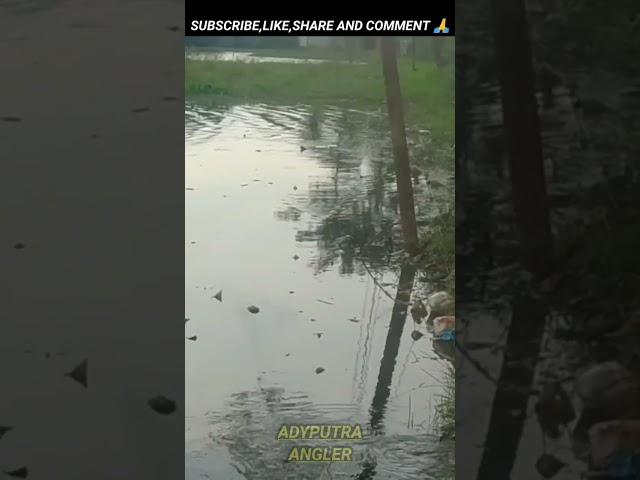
[554,409]
[439,304]
[12,119]
[94,136]
[548,465]
[169,98]
[354,320]
[270,183]
[190,188]
[162,405]
[244,185]
[318,334]
[79,374]
[295,187]
[193,339]
[319,370]
[302,149]
[22,472]
[4,430]
[193,243]
[287,354]
[173,28]
[418,311]
[324,301]
[141,110]
[292,291]
[296,257]
[313,319]
[443,324]
[19,246]
[218,296]
[417,335]
[186,320]
[47,354]
[253,309]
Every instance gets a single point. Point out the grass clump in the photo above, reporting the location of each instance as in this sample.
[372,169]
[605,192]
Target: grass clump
[428,91]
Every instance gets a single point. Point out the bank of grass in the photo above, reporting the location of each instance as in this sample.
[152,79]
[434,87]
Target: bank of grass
[437,247]
[428,92]
[445,409]
[445,424]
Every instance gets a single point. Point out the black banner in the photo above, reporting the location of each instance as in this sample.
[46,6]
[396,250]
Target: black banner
[438,21]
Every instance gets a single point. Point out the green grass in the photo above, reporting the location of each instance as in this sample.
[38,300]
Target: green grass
[437,247]
[445,424]
[445,410]
[428,92]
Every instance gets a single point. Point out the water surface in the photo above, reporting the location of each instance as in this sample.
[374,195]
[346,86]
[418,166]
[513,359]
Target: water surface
[293,209]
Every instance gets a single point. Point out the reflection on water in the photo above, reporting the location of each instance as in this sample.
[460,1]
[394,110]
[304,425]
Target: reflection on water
[250,57]
[293,209]
[587,94]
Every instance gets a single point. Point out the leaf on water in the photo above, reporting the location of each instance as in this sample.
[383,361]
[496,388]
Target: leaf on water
[162,405]
[4,430]
[218,296]
[253,309]
[193,339]
[22,472]
[548,465]
[79,374]
[417,335]
[319,370]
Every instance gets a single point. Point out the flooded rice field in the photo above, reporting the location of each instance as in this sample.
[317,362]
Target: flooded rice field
[296,309]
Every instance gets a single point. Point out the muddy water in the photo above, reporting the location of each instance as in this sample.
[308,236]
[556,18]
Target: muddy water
[309,236]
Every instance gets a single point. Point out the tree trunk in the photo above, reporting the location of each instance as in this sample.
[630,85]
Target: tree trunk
[522,127]
[524,146]
[399,141]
